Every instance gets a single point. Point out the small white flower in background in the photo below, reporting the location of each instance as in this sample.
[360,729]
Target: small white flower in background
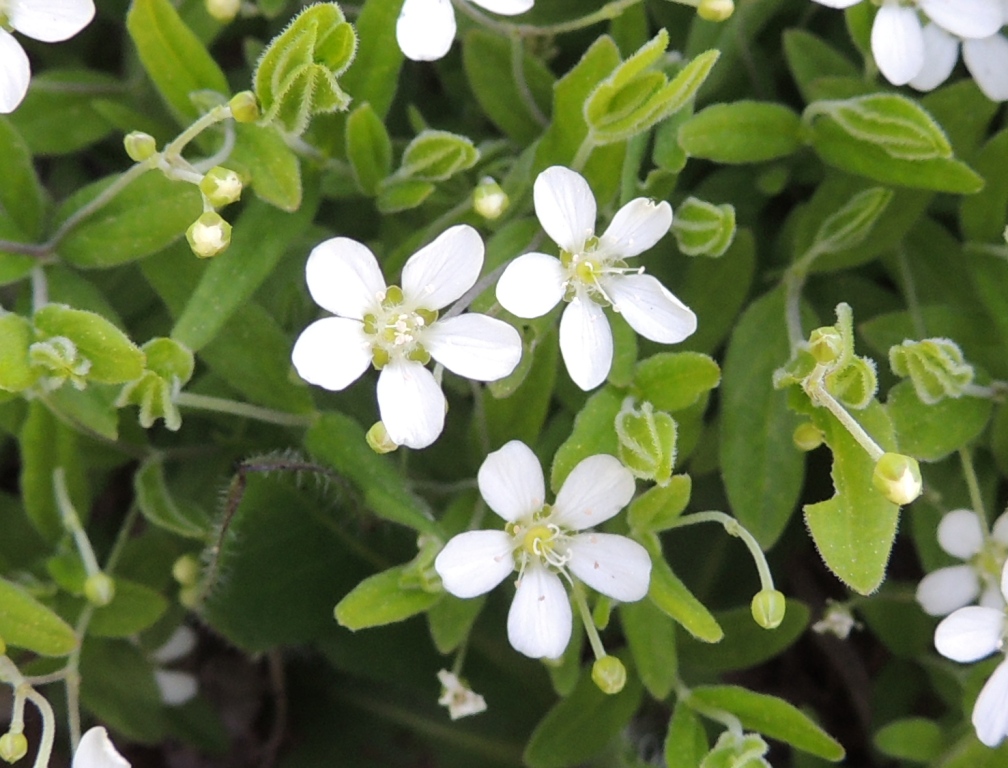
[837,620]
[461,700]
[426,28]
[898,40]
[986,59]
[97,751]
[591,272]
[398,329]
[545,542]
[961,535]
[44,20]
[970,634]
[176,687]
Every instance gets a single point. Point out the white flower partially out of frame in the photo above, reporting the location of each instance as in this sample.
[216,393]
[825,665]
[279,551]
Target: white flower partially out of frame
[426,28]
[546,542]
[50,21]
[96,750]
[590,272]
[986,59]
[398,329]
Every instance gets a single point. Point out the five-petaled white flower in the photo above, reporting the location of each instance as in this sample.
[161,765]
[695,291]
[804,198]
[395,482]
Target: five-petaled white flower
[961,535]
[50,21]
[986,59]
[545,542]
[399,331]
[898,36]
[591,272]
[970,634]
[426,28]
[461,700]
[96,750]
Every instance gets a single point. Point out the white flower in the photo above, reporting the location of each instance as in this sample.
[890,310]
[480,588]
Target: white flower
[898,38]
[50,21]
[461,700]
[96,751]
[176,687]
[591,272]
[837,620]
[426,28]
[970,634]
[543,541]
[961,535]
[398,329]
[986,59]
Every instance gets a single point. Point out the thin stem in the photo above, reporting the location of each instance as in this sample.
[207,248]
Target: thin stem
[48,726]
[794,281]
[819,395]
[470,296]
[734,528]
[235,408]
[518,73]
[609,11]
[976,498]
[583,153]
[72,678]
[910,293]
[71,521]
[586,618]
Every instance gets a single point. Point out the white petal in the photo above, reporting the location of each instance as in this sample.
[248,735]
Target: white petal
[987,61]
[897,42]
[531,285]
[505,7]
[966,18]
[960,534]
[332,352]
[838,3]
[539,622]
[343,277]
[595,490]
[475,562]
[51,20]
[565,206]
[425,29]
[999,531]
[941,52]
[95,750]
[15,73]
[1004,581]
[990,713]
[637,226]
[411,404]
[943,591]
[511,482]
[586,343]
[181,643]
[970,633]
[613,565]
[176,687]
[991,597]
[439,273]
[650,308]
[474,346]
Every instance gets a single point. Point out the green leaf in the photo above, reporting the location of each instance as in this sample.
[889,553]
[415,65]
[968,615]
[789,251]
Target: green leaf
[382,599]
[339,441]
[672,381]
[374,74]
[450,620]
[932,432]
[159,507]
[262,155]
[437,156]
[658,508]
[580,726]
[669,594]
[650,633]
[745,642]
[174,58]
[771,717]
[403,194]
[22,196]
[26,623]
[742,132]
[94,408]
[686,741]
[981,216]
[810,58]
[594,432]
[113,357]
[118,688]
[57,116]
[16,336]
[916,739]
[368,148]
[852,224]
[134,608]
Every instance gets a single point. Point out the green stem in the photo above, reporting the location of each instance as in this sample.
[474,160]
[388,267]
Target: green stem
[48,726]
[518,73]
[71,521]
[734,528]
[235,408]
[586,618]
[727,719]
[607,12]
[976,498]
[817,392]
[583,153]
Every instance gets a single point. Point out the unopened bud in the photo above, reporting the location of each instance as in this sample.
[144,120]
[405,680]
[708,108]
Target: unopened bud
[223,10]
[99,589]
[209,235]
[139,146]
[189,597]
[378,439]
[489,200]
[715,10]
[13,746]
[186,570]
[609,674]
[646,441]
[826,344]
[244,107]
[898,478]
[807,436]
[768,607]
[221,186]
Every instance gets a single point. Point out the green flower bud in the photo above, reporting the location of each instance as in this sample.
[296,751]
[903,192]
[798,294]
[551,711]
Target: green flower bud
[244,107]
[169,366]
[13,746]
[139,146]
[898,478]
[186,570]
[221,186]
[936,368]
[99,589]
[737,751]
[826,344]
[489,200]
[609,674]
[209,235]
[715,10]
[855,383]
[768,606]
[702,228]
[189,597]
[646,441]
[223,11]
[378,439]
[59,361]
[807,436]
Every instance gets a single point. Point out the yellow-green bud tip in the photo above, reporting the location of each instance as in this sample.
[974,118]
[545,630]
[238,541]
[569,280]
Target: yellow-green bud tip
[99,589]
[139,146]
[378,439]
[221,186]
[609,674]
[825,344]
[898,478]
[188,597]
[768,607]
[13,746]
[807,436]
[186,570]
[489,200]
[244,107]
[209,235]
[715,10]
[223,10]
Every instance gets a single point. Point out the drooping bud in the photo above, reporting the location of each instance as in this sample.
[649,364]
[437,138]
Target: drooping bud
[221,186]
[99,589]
[13,746]
[609,674]
[489,200]
[209,235]
[646,441]
[826,344]
[898,478]
[768,608]
[169,365]
[139,146]
[223,11]
[855,384]
[807,437]
[715,10]
[702,228]
[186,570]
[378,439]
[244,107]
[935,366]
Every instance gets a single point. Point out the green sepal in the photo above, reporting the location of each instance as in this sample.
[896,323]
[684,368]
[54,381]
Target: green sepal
[703,229]
[437,156]
[16,336]
[936,367]
[646,442]
[737,750]
[26,623]
[113,357]
[658,508]
[383,599]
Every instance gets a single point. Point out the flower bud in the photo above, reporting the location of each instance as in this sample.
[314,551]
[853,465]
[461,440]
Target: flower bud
[489,200]
[378,439]
[807,437]
[139,146]
[898,478]
[826,344]
[209,235]
[646,441]
[59,360]
[703,229]
[99,589]
[715,10]
[13,746]
[189,597]
[768,607]
[186,570]
[609,674]
[221,186]
[936,368]
[223,10]
[244,107]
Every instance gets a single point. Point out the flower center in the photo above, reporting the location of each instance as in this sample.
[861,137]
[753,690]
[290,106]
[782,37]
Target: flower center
[396,330]
[541,540]
[585,270]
